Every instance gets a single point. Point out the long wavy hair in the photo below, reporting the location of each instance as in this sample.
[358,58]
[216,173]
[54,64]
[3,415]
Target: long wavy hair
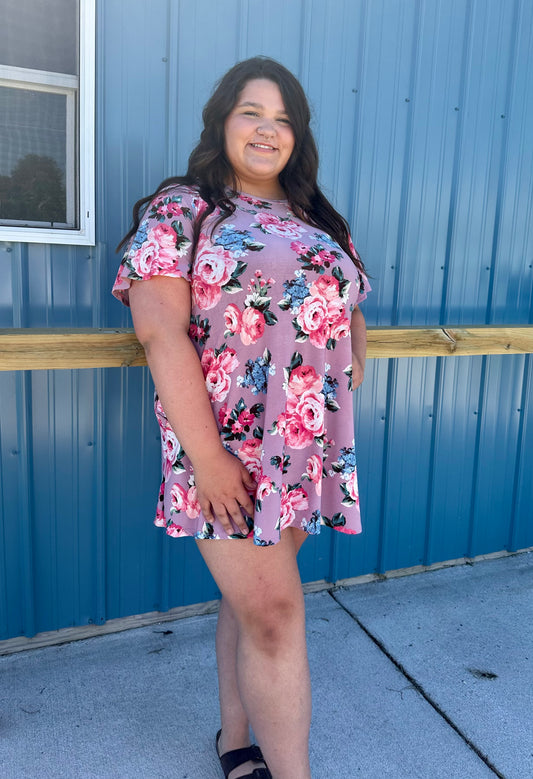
[210,170]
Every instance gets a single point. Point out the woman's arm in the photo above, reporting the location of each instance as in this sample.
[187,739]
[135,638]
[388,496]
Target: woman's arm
[358,331]
[161,308]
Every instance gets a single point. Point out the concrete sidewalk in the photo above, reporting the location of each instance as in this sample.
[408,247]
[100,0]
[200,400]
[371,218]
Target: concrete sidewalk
[427,676]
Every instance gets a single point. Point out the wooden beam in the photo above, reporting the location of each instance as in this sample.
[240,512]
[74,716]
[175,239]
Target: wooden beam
[449,341]
[30,349]
[45,349]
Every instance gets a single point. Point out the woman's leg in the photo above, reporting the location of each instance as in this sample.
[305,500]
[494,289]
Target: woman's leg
[261,650]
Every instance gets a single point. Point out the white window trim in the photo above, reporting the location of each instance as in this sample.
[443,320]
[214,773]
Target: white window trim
[65,84]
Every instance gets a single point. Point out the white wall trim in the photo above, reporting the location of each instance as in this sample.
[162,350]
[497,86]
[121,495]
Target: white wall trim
[64,83]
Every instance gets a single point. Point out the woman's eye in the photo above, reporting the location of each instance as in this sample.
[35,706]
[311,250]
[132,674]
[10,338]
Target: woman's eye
[285,121]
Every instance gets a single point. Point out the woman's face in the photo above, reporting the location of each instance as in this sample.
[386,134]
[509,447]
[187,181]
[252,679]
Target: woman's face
[259,138]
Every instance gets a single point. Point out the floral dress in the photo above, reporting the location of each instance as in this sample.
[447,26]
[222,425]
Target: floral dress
[271,301]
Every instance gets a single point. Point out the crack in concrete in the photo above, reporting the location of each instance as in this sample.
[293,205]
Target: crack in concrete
[413,682]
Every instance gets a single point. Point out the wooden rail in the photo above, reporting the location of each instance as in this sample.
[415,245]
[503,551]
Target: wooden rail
[30,349]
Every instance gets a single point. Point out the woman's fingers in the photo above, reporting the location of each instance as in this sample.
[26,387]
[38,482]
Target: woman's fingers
[228,512]
[223,485]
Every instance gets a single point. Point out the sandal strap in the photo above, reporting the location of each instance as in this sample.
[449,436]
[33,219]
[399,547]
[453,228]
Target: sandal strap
[236,757]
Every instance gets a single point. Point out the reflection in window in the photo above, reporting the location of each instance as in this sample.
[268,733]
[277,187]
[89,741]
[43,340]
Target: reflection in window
[33,156]
[47,121]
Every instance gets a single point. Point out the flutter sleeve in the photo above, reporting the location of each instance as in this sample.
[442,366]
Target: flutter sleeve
[162,245]
[362,285]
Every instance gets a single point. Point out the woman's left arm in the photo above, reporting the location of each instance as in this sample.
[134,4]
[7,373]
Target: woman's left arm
[358,331]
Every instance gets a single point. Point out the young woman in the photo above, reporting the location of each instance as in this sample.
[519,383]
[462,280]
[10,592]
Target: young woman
[244,289]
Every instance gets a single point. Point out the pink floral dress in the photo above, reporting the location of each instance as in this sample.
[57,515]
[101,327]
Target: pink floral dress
[271,303]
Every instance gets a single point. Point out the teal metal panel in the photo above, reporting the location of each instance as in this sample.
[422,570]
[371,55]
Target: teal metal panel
[453,454]
[423,112]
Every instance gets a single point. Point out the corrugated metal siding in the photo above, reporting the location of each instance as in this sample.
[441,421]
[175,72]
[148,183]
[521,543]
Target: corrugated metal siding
[424,117]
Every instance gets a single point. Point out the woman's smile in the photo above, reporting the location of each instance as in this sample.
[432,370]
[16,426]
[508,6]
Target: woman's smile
[259,139]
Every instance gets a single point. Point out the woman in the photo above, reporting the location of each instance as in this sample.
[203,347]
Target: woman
[243,286]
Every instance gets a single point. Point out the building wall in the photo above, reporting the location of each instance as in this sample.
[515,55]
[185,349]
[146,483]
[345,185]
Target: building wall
[423,113]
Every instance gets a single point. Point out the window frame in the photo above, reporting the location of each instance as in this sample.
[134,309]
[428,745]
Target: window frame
[80,91]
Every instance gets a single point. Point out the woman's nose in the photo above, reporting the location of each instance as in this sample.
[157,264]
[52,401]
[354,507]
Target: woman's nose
[266,128]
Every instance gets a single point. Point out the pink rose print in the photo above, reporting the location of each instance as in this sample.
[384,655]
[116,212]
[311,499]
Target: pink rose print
[326,257]
[227,359]
[174,209]
[232,319]
[310,410]
[313,472]
[321,316]
[214,265]
[287,514]
[303,378]
[313,312]
[212,270]
[170,443]
[192,507]
[144,260]
[296,434]
[303,418]
[217,369]
[352,487]
[264,488]
[178,498]
[250,455]
[291,501]
[199,205]
[185,500]
[321,336]
[205,295]
[299,247]
[218,384]
[298,499]
[224,414]
[278,225]
[160,519]
[326,287]
[340,329]
[175,531]
[252,325]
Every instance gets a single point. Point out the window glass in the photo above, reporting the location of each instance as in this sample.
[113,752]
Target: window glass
[40,34]
[33,158]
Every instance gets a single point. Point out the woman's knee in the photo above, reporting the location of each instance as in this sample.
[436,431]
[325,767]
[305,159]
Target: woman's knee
[273,623]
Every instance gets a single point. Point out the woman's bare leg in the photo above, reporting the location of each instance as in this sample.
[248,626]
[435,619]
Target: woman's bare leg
[261,651]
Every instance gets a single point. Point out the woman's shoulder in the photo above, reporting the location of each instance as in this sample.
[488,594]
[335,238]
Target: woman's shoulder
[186,194]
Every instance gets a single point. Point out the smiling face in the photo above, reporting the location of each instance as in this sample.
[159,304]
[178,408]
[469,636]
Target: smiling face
[259,139]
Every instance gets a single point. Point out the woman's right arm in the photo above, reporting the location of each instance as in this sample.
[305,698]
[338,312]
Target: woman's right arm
[161,308]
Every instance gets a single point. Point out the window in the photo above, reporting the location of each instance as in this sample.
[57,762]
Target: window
[47,121]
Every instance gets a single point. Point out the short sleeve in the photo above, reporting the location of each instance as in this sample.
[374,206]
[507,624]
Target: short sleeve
[363,287]
[162,245]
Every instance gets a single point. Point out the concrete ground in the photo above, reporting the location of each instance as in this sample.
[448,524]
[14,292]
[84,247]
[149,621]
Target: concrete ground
[426,676]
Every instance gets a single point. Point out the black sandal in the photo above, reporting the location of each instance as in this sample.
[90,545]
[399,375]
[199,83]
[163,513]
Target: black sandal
[236,757]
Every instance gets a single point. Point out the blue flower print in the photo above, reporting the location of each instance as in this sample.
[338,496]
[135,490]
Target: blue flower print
[140,237]
[294,292]
[313,525]
[329,390]
[257,373]
[327,239]
[346,462]
[237,241]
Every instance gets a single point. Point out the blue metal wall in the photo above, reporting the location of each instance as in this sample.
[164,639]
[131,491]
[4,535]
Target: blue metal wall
[424,119]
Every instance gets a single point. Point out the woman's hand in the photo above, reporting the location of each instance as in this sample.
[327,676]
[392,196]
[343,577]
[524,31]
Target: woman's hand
[358,332]
[223,484]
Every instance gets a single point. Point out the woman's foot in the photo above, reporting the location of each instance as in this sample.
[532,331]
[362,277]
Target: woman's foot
[244,762]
